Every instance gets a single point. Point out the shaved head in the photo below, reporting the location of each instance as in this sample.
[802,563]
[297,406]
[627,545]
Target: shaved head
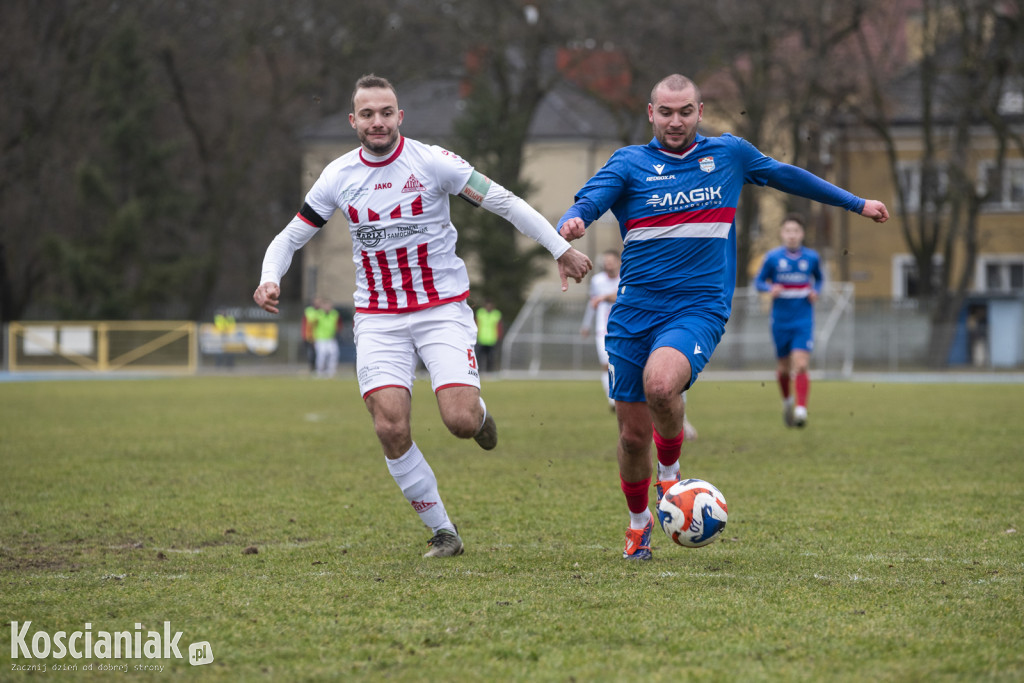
[674,83]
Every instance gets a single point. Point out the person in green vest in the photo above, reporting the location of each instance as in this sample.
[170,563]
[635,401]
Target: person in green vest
[225,325]
[308,343]
[325,324]
[488,334]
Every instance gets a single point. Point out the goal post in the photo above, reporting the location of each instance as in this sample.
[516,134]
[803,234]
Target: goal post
[544,340]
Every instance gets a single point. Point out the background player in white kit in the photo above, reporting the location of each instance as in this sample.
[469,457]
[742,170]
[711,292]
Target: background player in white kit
[604,286]
[411,288]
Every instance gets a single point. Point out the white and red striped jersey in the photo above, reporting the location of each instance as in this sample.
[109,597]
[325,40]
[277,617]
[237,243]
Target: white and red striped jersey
[601,284]
[403,240]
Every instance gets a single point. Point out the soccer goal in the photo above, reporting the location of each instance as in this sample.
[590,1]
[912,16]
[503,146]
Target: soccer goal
[545,340]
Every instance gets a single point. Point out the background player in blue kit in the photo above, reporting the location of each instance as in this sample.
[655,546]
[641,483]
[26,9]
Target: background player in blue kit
[792,273]
[675,199]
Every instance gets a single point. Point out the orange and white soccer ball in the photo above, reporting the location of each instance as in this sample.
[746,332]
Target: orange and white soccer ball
[693,513]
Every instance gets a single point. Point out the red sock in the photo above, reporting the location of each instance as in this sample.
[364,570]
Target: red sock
[668,449]
[803,386]
[784,384]
[636,494]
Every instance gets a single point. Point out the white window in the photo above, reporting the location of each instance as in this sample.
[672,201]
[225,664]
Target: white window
[1000,273]
[906,284]
[1011,101]
[910,178]
[1005,193]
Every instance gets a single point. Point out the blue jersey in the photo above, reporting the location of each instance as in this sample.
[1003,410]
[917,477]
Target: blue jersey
[677,212]
[799,273]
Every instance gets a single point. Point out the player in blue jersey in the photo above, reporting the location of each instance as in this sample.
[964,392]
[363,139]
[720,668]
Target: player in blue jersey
[675,200]
[792,273]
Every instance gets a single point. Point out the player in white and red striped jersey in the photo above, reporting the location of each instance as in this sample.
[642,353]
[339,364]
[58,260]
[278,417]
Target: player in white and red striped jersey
[411,288]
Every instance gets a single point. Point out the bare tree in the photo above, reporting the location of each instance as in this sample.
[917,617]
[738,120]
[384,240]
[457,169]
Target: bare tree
[971,58]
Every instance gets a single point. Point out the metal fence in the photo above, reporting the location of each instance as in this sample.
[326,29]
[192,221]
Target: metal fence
[850,334]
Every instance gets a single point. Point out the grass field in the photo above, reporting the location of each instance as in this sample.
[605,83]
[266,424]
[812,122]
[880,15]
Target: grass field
[884,542]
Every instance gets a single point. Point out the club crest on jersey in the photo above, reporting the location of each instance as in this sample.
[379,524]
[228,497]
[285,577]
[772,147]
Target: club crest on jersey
[413,185]
[707,164]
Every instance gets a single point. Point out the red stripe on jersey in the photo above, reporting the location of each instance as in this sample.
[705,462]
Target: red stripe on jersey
[452,384]
[306,220]
[372,215]
[386,386]
[722,215]
[417,205]
[371,284]
[397,212]
[385,279]
[353,214]
[407,287]
[417,307]
[427,273]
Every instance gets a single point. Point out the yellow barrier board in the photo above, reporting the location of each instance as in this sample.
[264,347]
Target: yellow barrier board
[102,346]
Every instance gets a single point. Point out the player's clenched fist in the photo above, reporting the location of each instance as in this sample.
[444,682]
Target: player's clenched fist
[268,296]
[573,264]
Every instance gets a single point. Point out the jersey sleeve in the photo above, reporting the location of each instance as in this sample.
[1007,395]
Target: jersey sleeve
[320,201]
[600,192]
[819,277]
[316,210]
[451,171]
[761,169]
[766,275]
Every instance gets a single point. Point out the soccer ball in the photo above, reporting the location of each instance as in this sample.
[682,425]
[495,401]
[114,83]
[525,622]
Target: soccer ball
[693,513]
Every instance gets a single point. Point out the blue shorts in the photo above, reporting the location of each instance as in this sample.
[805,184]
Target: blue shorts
[634,333]
[790,339]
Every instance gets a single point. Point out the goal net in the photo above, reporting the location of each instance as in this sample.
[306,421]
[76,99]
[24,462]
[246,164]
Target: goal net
[545,340]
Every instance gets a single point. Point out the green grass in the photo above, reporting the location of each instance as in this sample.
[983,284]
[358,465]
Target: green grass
[883,542]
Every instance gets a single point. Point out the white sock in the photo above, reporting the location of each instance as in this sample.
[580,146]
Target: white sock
[670,472]
[419,486]
[484,418]
[638,520]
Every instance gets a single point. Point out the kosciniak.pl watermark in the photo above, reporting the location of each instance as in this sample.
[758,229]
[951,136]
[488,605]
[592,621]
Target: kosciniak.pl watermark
[87,644]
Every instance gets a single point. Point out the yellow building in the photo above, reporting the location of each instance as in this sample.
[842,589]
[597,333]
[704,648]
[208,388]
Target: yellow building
[572,136]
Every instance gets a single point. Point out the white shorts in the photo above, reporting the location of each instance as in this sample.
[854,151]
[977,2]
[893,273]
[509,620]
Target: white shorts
[387,346]
[602,355]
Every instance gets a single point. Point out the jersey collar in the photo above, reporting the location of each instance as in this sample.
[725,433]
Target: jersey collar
[377,162]
[653,144]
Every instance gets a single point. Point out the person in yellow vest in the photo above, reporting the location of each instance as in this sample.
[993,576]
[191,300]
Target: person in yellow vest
[308,343]
[488,334]
[225,325]
[325,323]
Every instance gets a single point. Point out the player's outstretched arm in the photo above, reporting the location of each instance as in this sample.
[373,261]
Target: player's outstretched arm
[268,297]
[573,264]
[875,210]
